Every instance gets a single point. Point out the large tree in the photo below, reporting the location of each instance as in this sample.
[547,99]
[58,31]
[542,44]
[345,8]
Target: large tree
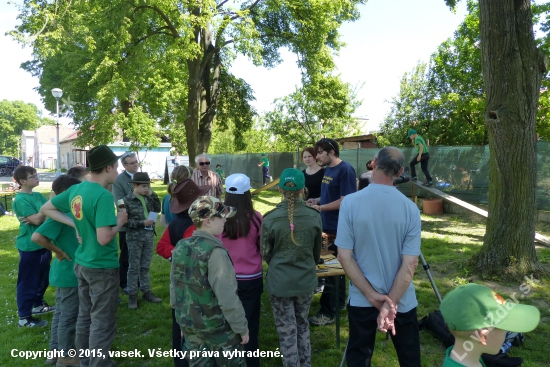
[513,67]
[169,56]
[16,116]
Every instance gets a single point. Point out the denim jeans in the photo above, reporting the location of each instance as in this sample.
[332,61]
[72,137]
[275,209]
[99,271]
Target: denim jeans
[96,324]
[362,335]
[32,279]
[424,158]
[64,319]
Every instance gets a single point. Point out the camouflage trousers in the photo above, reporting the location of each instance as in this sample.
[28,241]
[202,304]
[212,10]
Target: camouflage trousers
[206,349]
[290,315]
[140,255]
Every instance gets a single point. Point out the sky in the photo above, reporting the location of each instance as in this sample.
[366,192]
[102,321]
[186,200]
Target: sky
[389,39]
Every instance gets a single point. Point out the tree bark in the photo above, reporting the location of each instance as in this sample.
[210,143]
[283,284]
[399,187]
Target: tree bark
[512,71]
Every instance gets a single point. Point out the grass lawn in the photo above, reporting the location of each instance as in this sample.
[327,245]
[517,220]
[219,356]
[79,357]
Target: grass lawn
[447,244]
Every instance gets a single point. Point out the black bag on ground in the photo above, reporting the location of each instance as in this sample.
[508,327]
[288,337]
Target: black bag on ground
[436,324]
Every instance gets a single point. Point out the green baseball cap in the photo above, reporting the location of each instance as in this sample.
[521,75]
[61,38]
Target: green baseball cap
[292,175]
[411,132]
[473,306]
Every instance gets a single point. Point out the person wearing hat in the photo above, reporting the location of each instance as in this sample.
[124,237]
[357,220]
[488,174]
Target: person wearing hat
[184,192]
[140,238]
[423,157]
[96,260]
[479,318]
[265,169]
[291,243]
[204,288]
[121,188]
[241,237]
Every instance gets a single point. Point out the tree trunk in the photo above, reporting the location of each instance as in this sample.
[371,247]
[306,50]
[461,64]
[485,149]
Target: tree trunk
[193,100]
[512,72]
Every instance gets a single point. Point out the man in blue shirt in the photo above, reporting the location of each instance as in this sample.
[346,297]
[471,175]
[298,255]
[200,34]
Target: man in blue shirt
[378,247]
[339,181]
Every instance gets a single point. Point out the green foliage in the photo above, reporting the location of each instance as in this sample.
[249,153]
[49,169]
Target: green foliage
[16,116]
[445,101]
[322,107]
[171,58]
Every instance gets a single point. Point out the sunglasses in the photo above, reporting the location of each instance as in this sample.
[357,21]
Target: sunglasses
[31,176]
[204,163]
[324,140]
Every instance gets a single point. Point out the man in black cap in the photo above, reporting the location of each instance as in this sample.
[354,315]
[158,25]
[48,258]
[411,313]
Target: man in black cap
[91,211]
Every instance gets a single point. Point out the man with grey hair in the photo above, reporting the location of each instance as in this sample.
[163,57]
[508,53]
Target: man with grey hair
[121,188]
[202,176]
[378,246]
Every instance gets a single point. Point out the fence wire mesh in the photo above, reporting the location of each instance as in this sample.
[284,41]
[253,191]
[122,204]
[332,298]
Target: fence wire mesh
[461,171]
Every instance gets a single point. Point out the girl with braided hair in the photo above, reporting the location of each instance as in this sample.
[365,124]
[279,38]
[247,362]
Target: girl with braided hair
[291,242]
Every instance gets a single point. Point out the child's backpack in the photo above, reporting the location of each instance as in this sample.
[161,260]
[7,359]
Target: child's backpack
[436,324]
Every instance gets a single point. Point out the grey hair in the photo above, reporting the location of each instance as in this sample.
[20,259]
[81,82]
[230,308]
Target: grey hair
[390,161]
[126,155]
[203,155]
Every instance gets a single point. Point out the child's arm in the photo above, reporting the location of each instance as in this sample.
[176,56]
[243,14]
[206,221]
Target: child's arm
[49,245]
[266,245]
[36,219]
[49,210]
[222,279]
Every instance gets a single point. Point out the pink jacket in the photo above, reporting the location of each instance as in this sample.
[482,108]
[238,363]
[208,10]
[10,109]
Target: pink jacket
[245,252]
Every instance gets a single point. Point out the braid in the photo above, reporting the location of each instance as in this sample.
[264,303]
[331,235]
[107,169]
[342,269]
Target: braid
[291,197]
[179,174]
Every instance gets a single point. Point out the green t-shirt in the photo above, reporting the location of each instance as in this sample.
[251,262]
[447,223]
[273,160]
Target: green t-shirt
[418,141]
[448,362]
[219,171]
[64,237]
[265,162]
[92,207]
[25,205]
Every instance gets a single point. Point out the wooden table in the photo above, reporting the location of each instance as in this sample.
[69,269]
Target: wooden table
[334,270]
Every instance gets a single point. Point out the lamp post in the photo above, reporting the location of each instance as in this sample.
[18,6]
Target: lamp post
[57,93]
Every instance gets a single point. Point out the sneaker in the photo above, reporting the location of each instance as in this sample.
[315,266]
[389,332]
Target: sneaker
[32,322]
[45,308]
[132,302]
[319,289]
[414,178]
[125,290]
[427,184]
[150,297]
[51,361]
[321,320]
[67,362]
[343,307]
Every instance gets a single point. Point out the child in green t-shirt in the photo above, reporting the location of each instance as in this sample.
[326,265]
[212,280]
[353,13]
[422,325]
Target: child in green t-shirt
[219,171]
[62,241]
[479,318]
[34,261]
[422,157]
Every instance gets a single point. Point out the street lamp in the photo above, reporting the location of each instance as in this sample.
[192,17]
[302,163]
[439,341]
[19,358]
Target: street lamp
[57,93]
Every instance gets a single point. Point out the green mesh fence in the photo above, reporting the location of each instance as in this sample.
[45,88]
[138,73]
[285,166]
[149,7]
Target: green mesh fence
[458,171]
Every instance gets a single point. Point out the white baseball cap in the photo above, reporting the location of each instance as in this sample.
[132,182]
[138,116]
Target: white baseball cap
[237,183]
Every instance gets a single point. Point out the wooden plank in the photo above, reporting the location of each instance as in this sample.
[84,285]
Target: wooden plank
[538,237]
[266,187]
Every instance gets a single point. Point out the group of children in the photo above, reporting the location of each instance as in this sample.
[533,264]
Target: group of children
[216,251]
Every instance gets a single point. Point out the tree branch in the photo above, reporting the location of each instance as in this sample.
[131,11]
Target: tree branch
[221,4]
[158,31]
[155,8]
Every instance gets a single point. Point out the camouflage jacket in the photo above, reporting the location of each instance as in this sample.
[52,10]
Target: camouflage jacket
[204,286]
[292,271]
[136,216]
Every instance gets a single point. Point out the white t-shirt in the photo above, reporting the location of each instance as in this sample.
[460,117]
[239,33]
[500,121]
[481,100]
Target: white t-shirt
[379,224]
